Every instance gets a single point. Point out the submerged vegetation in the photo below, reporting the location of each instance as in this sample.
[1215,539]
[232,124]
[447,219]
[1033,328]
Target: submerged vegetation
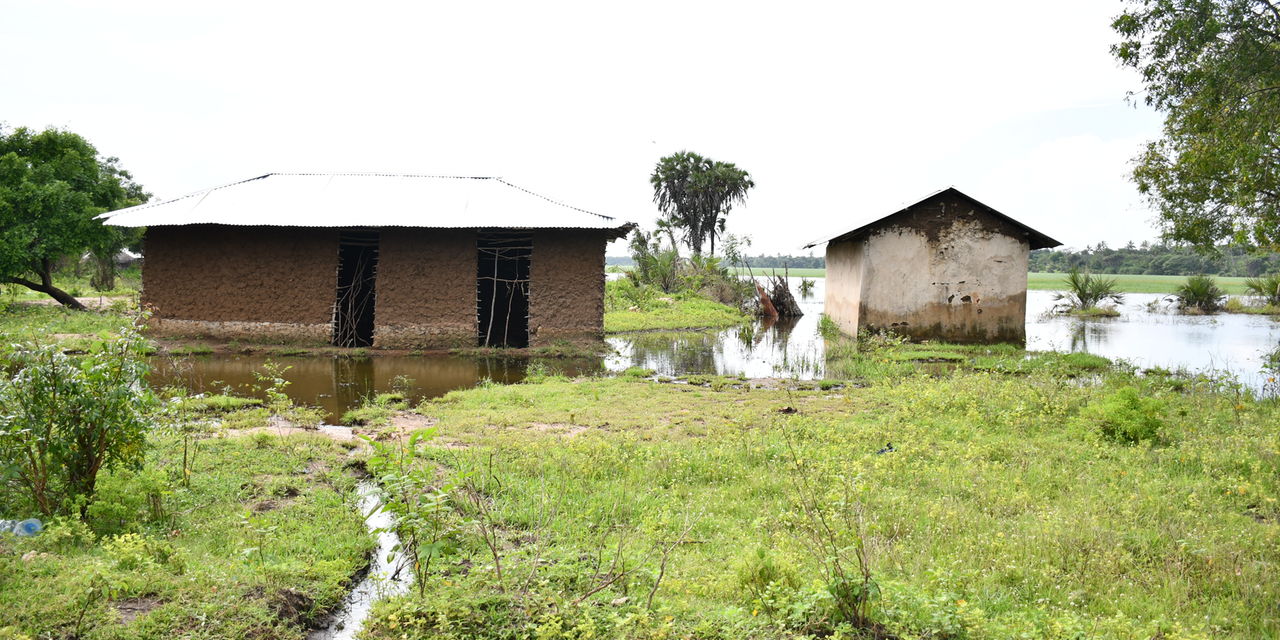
[1200,294]
[1085,292]
[1265,288]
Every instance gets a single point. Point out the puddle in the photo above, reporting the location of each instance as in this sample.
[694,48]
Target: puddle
[1233,343]
[337,384]
[386,576]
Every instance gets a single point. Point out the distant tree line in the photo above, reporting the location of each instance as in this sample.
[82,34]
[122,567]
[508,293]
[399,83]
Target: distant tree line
[1156,259]
[779,261]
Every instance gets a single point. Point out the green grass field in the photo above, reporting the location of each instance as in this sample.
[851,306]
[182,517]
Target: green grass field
[263,541]
[1015,502]
[1053,281]
[1134,283]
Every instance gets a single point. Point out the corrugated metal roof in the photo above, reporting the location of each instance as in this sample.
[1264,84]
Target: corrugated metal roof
[1037,240]
[365,200]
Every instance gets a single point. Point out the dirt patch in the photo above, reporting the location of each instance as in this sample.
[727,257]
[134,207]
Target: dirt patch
[409,421]
[282,427]
[558,428]
[356,468]
[454,445]
[290,606]
[130,608]
[96,302]
[267,505]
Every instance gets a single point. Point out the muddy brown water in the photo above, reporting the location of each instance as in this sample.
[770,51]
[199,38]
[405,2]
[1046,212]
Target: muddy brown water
[1147,334]
[337,384]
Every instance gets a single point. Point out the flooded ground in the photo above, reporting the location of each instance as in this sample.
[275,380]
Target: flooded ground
[337,384]
[1145,334]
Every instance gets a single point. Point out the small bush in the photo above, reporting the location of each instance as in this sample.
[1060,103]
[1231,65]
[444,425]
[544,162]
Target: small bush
[1201,293]
[761,576]
[133,551]
[68,418]
[1126,417]
[1086,291]
[63,534]
[1265,288]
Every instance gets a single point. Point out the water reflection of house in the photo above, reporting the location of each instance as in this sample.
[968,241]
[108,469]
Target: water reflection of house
[945,268]
[389,261]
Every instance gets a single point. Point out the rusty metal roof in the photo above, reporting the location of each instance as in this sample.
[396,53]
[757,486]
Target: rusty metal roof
[1037,240]
[366,200]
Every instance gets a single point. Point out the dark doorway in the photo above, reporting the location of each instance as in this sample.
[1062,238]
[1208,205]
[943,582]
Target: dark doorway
[357,275]
[502,283]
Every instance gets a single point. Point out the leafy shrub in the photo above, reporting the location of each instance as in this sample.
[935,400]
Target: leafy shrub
[762,576]
[1126,416]
[68,418]
[1266,288]
[827,328]
[655,265]
[62,534]
[1086,291]
[134,551]
[1201,293]
[126,499]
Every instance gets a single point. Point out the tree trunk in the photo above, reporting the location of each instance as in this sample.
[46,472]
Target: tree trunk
[46,287]
[104,278]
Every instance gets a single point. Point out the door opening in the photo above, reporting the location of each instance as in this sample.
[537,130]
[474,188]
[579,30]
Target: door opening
[502,285]
[357,276]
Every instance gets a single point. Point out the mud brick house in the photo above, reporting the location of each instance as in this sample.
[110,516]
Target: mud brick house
[385,261]
[945,268]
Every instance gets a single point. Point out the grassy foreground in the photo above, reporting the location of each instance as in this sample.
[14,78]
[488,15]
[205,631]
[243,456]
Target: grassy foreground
[264,540]
[1053,496]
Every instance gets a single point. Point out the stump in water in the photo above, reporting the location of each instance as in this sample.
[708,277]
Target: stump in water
[778,302]
[783,301]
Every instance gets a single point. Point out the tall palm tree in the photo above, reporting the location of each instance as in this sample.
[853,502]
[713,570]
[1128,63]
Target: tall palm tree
[724,186]
[695,194]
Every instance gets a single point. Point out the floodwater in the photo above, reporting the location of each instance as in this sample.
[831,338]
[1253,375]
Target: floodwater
[337,384]
[388,574]
[1146,335]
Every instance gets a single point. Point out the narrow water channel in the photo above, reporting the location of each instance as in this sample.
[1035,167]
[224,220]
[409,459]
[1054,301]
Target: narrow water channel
[386,576]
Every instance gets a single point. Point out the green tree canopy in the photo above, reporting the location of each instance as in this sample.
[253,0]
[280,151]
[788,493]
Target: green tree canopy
[1213,68]
[53,184]
[696,194]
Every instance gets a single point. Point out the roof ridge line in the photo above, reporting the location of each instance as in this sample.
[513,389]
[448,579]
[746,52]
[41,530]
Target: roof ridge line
[555,202]
[385,174]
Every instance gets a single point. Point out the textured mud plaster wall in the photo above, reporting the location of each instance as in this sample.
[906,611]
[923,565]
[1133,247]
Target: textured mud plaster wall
[844,284]
[566,292]
[963,279]
[242,283]
[426,291]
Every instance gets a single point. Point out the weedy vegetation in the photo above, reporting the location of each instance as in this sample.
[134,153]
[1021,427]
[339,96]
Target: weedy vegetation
[1085,293]
[1200,294]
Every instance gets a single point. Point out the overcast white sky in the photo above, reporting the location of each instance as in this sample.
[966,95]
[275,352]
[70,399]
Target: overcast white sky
[840,111]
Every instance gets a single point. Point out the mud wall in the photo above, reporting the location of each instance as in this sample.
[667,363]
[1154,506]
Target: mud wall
[426,291]
[566,290]
[946,272]
[844,284]
[230,282]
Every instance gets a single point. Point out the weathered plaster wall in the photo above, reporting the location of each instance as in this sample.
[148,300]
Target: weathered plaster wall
[961,283]
[844,284]
[566,292]
[229,282]
[426,291]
